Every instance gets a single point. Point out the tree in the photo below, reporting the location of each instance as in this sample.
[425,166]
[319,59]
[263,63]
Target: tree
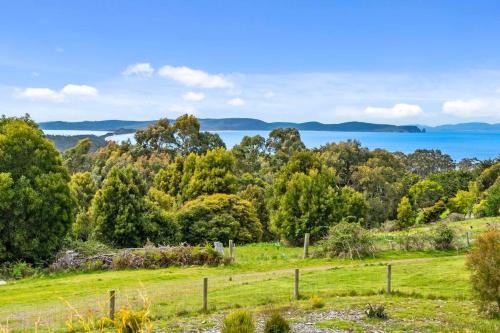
[249,154]
[492,200]
[353,204]
[123,217]
[484,263]
[452,181]
[158,137]
[281,144]
[35,201]
[344,157]
[83,189]
[426,161]
[213,173]
[310,204]
[425,193]
[406,214]
[255,191]
[219,217]
[463,202]
[488,177]
[77,159]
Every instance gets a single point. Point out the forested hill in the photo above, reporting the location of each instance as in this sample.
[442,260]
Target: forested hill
[237,124]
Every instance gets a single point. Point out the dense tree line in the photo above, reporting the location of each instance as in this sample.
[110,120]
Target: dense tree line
[179,184]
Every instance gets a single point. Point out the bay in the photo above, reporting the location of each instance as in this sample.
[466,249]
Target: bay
[458,145]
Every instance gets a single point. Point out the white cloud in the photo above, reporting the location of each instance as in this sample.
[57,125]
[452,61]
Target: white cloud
[79,90]
[194,77]
[400,110]
[236,102]
[472,108]
[269,94]
[193,96]
[141,69]
[45,94]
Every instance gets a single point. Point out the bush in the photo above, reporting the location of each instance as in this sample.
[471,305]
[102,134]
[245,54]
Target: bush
[219,217]
[431,214]
[443,237]
[240,321]
[492,200]
[17,271]
[375,311]
[484,263]
[347,240]
[129,321]
[276,324]
[406,214]
[317,302]
[413,242]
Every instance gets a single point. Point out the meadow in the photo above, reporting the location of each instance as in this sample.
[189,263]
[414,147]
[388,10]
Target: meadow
[430,291]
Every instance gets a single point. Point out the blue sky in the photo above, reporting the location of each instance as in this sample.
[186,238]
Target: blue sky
[396,62]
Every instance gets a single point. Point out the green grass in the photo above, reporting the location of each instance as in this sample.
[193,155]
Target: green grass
[431,290]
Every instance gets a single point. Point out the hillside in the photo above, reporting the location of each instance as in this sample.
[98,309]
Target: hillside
[236,124]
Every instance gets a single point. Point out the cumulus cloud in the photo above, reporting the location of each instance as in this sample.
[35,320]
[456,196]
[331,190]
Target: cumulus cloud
[141,69]
[472,108]
[193,96]
[40,94]
[79,90]
[47,94]
[400,110]
[194,77]
[236,102]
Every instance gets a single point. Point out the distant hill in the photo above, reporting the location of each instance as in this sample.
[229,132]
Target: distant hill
[463,127]
[64,142]
[236,124]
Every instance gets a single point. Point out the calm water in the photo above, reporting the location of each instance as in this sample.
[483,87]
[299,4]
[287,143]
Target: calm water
[458,145]
[74,132]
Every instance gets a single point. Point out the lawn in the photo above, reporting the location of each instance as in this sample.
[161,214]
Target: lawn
[430,291]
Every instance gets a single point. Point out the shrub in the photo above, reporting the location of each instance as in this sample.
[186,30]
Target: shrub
[129,321]
[276,324]
[406,214]
[16,271]
[219,217]
[413,242]
[317,302]
[484,263]
[347,240]
[431,214]
[375,311]
[443,237]
[492,200]
[240,321]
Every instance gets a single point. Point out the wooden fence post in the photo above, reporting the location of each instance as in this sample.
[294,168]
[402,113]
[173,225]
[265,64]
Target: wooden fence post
[389,273]
[468,239]
[112,296]
[205,294]
[296,289]
[306,245]
[231,249]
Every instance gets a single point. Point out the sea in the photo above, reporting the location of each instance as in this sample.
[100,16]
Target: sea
[482,145]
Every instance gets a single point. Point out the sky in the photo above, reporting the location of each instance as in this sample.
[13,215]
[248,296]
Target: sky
[400,62]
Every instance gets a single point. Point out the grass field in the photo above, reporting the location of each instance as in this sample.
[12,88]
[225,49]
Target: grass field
[431,291]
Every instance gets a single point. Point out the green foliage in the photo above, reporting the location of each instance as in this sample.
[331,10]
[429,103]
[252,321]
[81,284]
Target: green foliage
[240,321]
[83,189]
[443,237]
[484,263]
[427,161]
[488,177]
[492,200]
[425,193]
[431,214]
[256,194]
[376,311]
[17,270]
[310,204]
[213,173]
[453,181]
[249,154]
[276,324]
[282,143]
[352,203]
[219,217]
[463,202]
[77,159]
[35,201]
[406,214]
[347,240]
[122,216]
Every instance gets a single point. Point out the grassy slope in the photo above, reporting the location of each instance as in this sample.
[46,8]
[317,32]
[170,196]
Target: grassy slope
[434,289]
